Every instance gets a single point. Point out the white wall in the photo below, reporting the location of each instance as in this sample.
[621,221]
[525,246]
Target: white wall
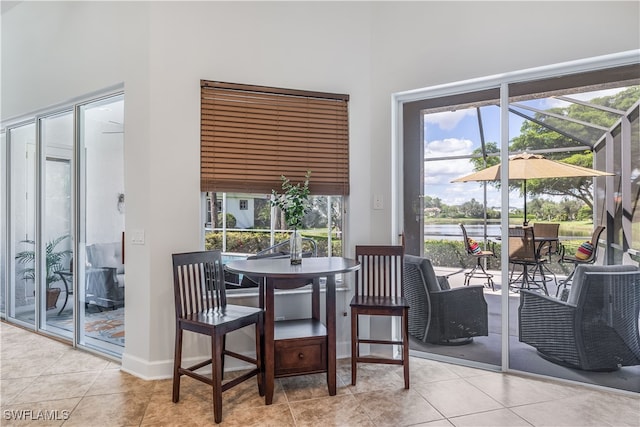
[161,50]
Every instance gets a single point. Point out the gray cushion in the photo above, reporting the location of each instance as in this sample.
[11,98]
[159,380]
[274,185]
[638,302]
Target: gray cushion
[433,285]
[106,255]
[578,277]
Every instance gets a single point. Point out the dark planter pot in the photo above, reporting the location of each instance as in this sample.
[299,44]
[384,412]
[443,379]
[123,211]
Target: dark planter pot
[52,297]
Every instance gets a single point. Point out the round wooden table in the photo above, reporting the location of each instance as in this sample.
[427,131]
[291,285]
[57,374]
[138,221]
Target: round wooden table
[301,346]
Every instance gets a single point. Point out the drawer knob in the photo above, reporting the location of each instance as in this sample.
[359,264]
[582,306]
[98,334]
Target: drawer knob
[300,355]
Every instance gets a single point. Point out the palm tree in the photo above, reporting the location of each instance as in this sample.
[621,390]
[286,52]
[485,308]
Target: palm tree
[54,260]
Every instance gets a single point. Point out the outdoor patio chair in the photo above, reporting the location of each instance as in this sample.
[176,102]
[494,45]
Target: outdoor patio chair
[523,253]
[201,307]
[378,292]
[591,259]
[439,314]
[596,329]
[549,231]
[473,249]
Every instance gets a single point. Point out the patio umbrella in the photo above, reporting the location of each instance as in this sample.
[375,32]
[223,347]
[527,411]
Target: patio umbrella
[531,166]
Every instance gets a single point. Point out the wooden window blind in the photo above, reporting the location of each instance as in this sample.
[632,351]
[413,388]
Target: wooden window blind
[251,135]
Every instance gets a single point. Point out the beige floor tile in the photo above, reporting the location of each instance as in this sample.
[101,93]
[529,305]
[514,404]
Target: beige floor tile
[584,408]
[423,371]
[436,423]
[372,376]
[74,360]
[512,390]
[10,388]
[345,410]
[191,410]
[114,381]
[498,418]
[267,416]
[48,413]
[466,371]
[397,407]
[456,397]
[60,386]
[23,344]
[312,386]
[43,378]
[12,367]
[119,409]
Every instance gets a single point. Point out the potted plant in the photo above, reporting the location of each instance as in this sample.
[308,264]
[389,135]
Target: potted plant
[53,265]
[294,203]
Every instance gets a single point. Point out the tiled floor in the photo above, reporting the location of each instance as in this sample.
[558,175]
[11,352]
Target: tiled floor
[42,378]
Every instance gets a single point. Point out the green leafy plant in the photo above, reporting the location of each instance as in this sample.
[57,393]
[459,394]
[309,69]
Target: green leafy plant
[53,262]
[293,201]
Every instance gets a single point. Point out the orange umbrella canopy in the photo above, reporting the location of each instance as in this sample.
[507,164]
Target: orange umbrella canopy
[532,166]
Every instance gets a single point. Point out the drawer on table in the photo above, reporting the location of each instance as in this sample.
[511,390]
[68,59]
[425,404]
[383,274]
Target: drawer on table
[303,355]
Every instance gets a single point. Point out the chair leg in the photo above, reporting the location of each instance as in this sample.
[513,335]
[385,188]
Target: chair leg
[217,342]
[405,346]
[177,361]
[354,346]
[259,340]
[566,281]
[223,352]
[473,273]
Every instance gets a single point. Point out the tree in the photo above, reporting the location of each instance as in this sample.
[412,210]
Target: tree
[472,209]
[537,137]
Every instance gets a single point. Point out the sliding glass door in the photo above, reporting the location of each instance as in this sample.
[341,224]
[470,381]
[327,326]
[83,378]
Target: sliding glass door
[63,215]
[101,208]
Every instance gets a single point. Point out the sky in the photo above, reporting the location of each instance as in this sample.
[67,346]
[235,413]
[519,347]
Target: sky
[457,133]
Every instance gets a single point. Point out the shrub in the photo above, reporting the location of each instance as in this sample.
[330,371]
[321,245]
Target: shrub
[251,242]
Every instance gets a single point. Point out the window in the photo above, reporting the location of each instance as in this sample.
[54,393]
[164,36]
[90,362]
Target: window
[250,137]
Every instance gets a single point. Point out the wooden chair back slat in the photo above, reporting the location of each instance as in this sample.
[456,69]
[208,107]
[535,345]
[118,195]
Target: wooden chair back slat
[198,282]
[381,271]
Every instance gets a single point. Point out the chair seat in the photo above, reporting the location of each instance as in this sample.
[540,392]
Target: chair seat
[483,254]
[217,316]
[571,258]
[378,301]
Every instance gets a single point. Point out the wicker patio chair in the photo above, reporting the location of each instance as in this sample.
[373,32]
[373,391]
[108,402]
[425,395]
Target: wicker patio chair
[596,329]
[439,314]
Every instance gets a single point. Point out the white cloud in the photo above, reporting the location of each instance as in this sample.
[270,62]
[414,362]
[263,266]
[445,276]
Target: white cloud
[448,147]
[447,120]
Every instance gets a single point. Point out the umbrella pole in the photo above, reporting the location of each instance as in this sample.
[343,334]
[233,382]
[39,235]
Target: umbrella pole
[524,193]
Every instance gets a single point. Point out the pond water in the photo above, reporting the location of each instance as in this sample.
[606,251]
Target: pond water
[453,231]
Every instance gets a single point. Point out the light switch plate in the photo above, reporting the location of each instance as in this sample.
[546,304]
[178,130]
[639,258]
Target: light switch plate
[377,201]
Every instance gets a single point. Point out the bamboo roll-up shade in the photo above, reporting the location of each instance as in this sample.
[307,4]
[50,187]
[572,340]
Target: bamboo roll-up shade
[251,135]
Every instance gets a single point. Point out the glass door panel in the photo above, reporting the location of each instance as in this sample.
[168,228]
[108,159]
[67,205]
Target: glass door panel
[3,224]
[22,228]
[101,214]
[56,133]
